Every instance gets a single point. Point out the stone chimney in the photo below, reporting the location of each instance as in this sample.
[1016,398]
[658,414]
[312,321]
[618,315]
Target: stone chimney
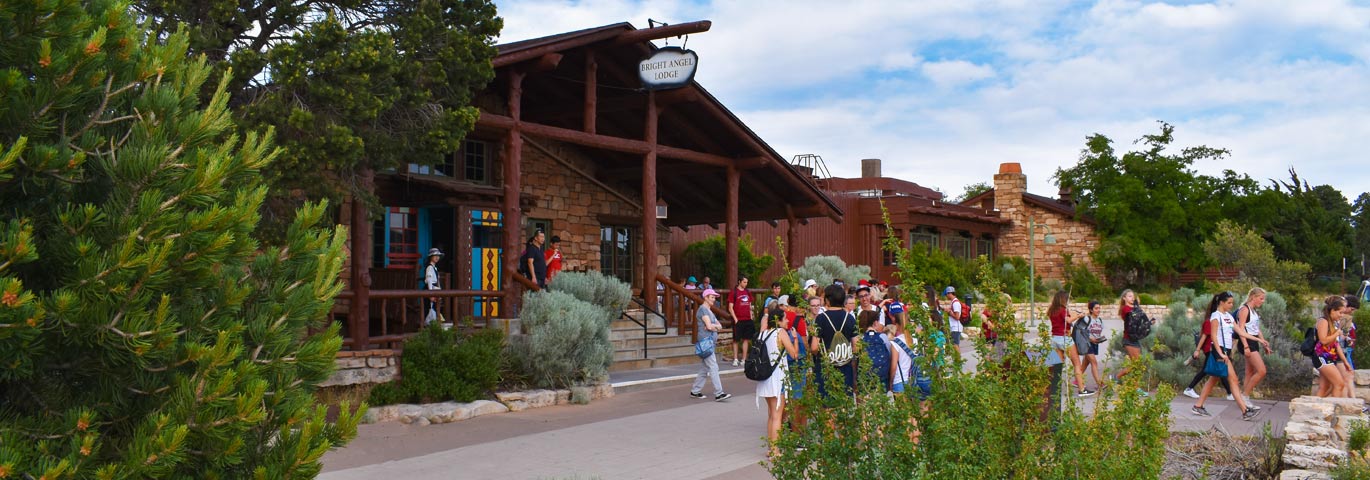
[1009,186]
[870,168]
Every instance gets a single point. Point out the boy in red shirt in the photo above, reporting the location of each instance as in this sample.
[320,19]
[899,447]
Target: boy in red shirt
[553,258]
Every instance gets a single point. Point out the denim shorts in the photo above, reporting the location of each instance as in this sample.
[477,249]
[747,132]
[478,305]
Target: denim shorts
[1061,342]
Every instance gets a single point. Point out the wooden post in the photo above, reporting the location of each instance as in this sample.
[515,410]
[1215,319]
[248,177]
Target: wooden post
[790,236]
[592,92]
[649,206]
[730,232]
[513,216]
[360,312]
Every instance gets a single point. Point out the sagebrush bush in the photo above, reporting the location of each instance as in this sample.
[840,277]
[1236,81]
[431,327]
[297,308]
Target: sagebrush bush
[1361,355]
[441,365]
[567,341]
[596,288]
[824,268]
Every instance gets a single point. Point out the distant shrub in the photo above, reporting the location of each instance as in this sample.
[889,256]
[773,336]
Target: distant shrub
[567,341]
[1147,299]
[442,365]
[1183,295]
[824,268]
[596,288]
[1012,273]
[710,257]
[1082,283]
[1361,354]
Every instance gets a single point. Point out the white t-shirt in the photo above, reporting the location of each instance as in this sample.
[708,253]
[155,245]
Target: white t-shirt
[956,316]
[430,277]
[1226,324]
[905,361]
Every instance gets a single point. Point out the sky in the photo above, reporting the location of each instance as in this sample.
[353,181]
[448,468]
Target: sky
[945,91]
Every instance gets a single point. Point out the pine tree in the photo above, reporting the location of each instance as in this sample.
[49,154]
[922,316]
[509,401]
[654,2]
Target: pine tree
[144,333]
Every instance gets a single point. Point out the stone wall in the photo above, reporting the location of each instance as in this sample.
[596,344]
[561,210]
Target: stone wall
[1317,431]
[1075,238]
[578,207]
[369,366]
[1110,307]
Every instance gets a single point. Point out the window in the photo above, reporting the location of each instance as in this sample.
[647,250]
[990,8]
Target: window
[471,163]
[985,246]
[403,237]
[887,257]
[541,224]
[616,252]
[958,246]
[924,236]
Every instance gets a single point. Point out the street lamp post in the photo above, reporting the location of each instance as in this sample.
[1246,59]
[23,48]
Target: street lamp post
[1048,239]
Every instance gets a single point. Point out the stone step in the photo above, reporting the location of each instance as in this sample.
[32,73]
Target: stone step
[636,364]
[690,359]
[655,323]
[653,341]
[655,352]
[636,332]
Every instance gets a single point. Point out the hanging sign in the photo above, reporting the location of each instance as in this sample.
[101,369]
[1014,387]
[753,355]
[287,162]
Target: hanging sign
[669,67]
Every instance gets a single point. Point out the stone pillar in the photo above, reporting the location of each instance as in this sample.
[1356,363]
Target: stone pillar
[1009,186]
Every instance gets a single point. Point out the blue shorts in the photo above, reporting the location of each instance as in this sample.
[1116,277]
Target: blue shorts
[797,378]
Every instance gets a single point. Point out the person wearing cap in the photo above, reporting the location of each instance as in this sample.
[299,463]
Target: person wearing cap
[953,310]
[691,283]
[553,258]
[430,282]
[534,262]
[708,326]
[879,290]
[810,289]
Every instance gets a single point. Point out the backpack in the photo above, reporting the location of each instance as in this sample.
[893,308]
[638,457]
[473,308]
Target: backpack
[1137,326]
[758,365]
[965,311]
[839,349]
[880,357]
[1310,342]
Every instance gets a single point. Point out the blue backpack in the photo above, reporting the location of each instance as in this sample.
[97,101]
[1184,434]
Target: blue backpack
[880,357]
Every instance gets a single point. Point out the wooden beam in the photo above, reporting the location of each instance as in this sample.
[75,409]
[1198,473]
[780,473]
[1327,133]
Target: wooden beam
[730,234]
[612,174]
[513,218]
[790,237]
[359,312]
[744,216]
[607,142]
[546,63]
[591,92]
[647,34]
[536,52]
[649,206]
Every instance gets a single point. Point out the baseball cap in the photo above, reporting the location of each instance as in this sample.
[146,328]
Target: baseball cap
[949,290]
[692,279]
[863,283]
[708,292]
[884,283]
[810,283]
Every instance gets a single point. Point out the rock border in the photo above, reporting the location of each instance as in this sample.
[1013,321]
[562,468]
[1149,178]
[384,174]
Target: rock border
[448,412]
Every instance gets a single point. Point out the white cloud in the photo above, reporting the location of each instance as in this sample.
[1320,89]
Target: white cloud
[1279,83]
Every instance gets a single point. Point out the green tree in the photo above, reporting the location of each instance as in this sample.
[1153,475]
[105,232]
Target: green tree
[350,87]
[710,255]
[1237,246]
[1312,225]
[973,190]
[144,332]
[1360,220]
[1152,208]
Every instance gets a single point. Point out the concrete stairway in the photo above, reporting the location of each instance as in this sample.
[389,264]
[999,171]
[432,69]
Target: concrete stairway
[662,350]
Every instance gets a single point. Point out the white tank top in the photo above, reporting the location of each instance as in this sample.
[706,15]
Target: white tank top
[1253,322]
[905,362]
[1226,324]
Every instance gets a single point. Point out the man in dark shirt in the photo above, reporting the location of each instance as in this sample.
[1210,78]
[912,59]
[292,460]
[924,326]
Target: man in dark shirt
[829,323]
[534,261]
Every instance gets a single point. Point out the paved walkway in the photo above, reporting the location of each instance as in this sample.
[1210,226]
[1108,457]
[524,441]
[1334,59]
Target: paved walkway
[655,432]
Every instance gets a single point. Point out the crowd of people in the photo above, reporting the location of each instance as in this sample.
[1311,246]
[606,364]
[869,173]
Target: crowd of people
[830,324]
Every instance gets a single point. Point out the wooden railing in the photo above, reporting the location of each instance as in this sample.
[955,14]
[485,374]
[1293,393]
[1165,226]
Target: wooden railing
[679,305]
[396,314]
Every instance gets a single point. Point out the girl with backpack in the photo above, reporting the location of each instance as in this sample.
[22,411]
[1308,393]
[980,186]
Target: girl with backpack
[1089,333]
[1219,362]
[1250,341]
[1328,357]
[1061,319]
[1132,341]
[774,336]
[877,348]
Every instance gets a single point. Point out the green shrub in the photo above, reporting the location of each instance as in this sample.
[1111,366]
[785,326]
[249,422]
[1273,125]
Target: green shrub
[1183,295]
[1147,299]
[1359,436]
[994,423]
[595,288]
[1012,273]
[441,365]
[567,341]
[824,268]
[1354,467]
[1083,284]
[709,257]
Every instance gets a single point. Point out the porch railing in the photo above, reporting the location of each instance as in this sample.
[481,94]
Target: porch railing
[679,305]
[396,314]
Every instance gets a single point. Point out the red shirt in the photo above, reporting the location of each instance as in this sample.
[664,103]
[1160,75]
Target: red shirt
[1207,342]
[742,304]
[984,328]
[797,322]
[1058,323]
[553,263]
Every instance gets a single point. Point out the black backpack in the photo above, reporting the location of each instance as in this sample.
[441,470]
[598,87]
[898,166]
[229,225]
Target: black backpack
[758,365]
[1310,342]
[1137,326]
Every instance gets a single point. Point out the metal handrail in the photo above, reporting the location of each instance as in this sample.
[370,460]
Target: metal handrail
[645,329]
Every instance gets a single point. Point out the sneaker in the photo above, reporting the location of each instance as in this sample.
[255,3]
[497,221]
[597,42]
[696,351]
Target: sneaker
[1229,397]
[696,395]
[1189,392]
[1085,393]
[1252,405]
[738,363]
[1249,414]
[1143,393]
[722,396]
[1200,411]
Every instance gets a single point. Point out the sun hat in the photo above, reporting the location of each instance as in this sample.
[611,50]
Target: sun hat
[434,252]
[810,283]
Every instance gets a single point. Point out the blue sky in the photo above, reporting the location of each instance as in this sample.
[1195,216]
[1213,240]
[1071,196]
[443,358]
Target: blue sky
[945,91]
